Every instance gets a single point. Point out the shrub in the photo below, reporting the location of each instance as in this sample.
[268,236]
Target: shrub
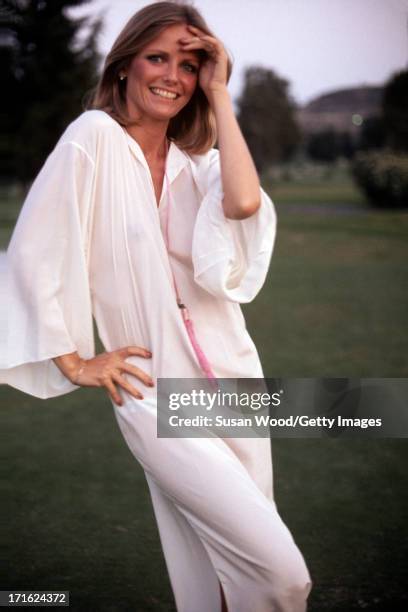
[383,176]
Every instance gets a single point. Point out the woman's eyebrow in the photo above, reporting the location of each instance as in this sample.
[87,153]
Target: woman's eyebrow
[187,52]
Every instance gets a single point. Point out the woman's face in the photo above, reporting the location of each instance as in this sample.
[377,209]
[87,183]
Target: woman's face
[162,77]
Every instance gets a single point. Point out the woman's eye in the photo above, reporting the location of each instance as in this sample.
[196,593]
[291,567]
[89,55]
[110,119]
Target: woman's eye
[190,68]
[158,59]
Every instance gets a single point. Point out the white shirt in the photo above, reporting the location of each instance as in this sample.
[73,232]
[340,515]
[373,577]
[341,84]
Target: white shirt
[89,243]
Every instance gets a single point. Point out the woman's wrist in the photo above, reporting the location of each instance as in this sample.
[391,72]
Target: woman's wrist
[69,365]
[218,94]
[80,369]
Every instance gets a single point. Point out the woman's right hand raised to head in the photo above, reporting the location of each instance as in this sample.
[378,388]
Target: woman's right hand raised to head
[105,370]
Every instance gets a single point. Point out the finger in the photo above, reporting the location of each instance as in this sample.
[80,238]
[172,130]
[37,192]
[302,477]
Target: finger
[145,378]
[127,351]
[200,44]
[127,386]
[113,393]
[194,29]
[203,35]
[205,39]
[197,31]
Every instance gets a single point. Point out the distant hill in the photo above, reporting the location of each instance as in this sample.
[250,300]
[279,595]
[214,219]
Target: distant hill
[343,109]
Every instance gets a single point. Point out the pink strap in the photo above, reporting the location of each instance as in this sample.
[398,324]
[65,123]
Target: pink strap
[202,359]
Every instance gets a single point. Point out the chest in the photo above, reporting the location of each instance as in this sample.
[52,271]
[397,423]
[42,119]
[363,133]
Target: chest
[134,246]
[157,173]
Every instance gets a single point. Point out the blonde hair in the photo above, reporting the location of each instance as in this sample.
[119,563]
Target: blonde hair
[193,129]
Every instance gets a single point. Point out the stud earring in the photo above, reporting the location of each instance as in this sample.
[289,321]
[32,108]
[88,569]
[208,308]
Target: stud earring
[122,77]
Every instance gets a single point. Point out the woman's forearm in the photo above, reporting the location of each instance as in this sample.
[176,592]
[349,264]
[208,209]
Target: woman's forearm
[239,176]
[69,364]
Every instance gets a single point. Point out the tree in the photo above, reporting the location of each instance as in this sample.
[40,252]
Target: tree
[372,135]
[329,144]
[49,61]
[383,173]
[395,111]
[266,117]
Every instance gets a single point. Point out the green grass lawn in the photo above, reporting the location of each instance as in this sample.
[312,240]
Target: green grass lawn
[315,193]
[314,184]
[78,515]
[76,506]
[336,299]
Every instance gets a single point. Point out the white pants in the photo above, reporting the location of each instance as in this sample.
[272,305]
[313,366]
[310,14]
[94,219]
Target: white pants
[217,520]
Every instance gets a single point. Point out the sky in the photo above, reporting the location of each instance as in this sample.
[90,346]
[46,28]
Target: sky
[317,45]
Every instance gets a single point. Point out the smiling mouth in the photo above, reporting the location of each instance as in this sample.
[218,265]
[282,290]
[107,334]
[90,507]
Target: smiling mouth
[162,93]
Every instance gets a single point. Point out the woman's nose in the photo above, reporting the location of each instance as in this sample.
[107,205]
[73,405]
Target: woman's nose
[171,73]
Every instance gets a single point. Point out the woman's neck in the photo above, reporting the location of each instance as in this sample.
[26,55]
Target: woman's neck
[151,139]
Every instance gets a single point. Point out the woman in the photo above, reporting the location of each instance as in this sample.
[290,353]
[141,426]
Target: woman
[134,215]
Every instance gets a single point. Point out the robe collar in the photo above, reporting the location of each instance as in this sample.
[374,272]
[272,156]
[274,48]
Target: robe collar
[176,158]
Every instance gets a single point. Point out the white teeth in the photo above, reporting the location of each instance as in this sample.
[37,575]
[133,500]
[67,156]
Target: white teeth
[163,93]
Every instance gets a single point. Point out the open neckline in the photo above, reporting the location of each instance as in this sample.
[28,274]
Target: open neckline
[135,146]
[176,161]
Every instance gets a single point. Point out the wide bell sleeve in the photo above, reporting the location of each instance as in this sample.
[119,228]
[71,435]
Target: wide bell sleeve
[47,310]
[230,257]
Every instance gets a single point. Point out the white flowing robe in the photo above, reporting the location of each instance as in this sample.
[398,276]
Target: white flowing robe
[89,243]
